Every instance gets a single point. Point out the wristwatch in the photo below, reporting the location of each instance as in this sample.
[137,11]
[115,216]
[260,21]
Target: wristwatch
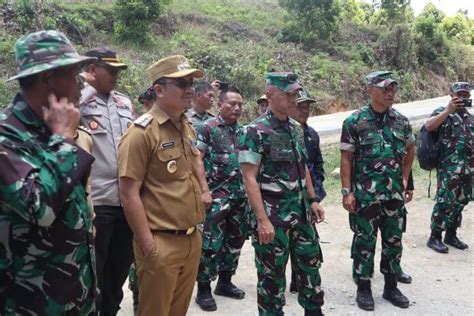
[345,191]
[312,200]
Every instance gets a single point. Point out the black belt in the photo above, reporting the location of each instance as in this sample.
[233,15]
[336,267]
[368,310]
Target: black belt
[181,232]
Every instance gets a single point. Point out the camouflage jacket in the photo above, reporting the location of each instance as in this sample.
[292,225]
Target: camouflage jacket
[277,147]
[379,145]
[456,140]
[197,118]
[315,161]
[219,143]
[47,263]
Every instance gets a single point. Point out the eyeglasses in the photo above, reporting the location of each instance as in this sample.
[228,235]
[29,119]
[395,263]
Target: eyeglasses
[182,84]
[111,70]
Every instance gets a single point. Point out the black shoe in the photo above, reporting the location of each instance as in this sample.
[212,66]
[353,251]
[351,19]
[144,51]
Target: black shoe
[404,278]
[313,312]
[452,240]
[392,293]
[204,297]
[226,288]
[437,245]
[364,297]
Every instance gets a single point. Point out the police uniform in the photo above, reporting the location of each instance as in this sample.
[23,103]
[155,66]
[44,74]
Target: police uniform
[107,117]
[164,160]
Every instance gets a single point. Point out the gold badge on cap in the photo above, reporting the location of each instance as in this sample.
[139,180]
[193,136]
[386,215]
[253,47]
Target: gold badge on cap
[172,166]
[93,125]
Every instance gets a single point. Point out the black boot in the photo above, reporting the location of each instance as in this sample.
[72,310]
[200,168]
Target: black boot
[364,297]
[435,243]
[392,293]
[225,287]
[404,278]
[204,297]
[451,239]
[294,282]
[313,312]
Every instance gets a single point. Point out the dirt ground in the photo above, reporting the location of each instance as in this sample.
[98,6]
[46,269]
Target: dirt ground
[443,284]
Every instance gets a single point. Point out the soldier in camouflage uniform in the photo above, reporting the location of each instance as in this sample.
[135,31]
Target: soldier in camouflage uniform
[280,192]
[377,151]
[455,131]
[203,101]
[47,263]
[225,225]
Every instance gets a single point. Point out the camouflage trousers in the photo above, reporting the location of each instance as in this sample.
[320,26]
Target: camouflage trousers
[224,233]
[302,243]
[388,216]
[133,283]
[454,192]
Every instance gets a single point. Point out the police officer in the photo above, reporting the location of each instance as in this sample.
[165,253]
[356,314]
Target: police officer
[262,105]
[280,192]
[107,113]
[202,103]
[315,160]
[47,263]
[225,225]
[377,151]
[163,187]
[454,126]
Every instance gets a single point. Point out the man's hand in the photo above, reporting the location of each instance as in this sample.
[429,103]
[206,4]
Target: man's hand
[408,196]
[349,202]
[266,232]
[206,199]
[62,116]
[318,212]
[454,105]
[148,246]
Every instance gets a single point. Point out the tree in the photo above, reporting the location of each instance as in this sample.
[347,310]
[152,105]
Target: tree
[134,18]
[315,19]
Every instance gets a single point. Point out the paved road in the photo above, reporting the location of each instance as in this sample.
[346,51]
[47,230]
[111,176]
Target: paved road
[329,126]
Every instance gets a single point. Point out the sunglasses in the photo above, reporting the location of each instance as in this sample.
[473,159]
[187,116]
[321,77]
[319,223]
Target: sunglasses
[111,70]
[182,84]
[391,87]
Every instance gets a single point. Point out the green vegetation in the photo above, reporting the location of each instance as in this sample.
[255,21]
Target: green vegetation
[331,44]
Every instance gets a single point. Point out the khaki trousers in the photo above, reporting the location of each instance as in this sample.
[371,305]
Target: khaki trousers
[166,277]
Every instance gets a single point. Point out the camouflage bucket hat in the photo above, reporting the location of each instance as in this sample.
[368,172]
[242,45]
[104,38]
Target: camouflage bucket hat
[380,79]
[44,50]
[461,86]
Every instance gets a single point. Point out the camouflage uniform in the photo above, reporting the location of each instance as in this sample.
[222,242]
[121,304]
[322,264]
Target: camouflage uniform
[277,147]
[455,171]
[47,259]
[47,262]
[225,225]
[197,118]
[379,143]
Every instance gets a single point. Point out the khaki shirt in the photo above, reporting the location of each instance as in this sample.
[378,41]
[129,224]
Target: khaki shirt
[164,160]
[83,139]
[107,117]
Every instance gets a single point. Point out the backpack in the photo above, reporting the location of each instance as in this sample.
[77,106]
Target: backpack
[427,149]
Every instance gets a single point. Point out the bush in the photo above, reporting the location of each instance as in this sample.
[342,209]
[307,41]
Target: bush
[134,19]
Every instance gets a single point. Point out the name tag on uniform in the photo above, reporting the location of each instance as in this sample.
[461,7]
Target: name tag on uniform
[167,145]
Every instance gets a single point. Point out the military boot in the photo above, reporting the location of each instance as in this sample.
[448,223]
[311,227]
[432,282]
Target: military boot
[204,297]
[364,297]
[451,239]
[313,312]
[404,278]
[392,293]
[435,243]
[225,287]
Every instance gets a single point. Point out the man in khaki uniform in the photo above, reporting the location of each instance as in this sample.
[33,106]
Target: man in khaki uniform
[163,187]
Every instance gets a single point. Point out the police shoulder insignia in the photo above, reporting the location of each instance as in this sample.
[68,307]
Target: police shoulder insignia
[143,120]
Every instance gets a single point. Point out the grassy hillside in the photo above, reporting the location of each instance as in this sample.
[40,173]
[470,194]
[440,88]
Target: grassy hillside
[232,40]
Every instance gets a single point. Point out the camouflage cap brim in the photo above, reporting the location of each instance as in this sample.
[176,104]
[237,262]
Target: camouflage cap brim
[52,65]
[305,99]
[384,83]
